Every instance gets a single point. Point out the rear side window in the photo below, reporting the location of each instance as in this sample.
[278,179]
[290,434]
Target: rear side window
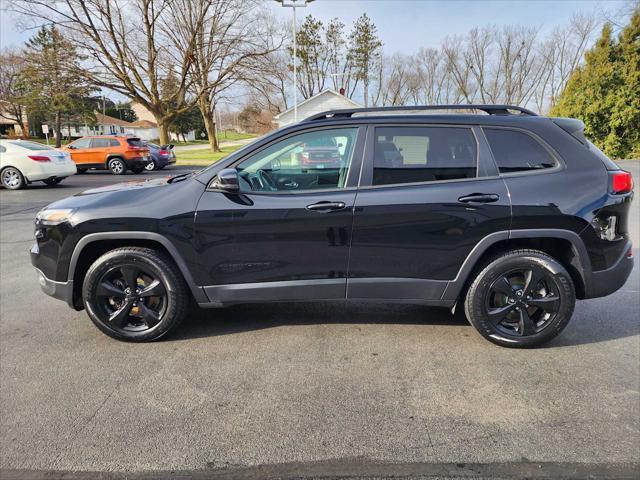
[517,152]
[104,143]
[423,154]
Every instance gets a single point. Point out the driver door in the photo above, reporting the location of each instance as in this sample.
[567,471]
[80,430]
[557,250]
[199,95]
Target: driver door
[287,234]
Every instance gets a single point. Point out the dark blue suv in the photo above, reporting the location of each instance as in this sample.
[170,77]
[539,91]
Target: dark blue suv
[161,156]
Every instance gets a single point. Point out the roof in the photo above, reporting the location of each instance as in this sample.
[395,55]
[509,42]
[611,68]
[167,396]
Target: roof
[327,92]
[143,124]
[107,120]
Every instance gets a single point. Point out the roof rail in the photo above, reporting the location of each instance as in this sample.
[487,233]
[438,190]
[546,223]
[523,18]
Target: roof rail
[490,109]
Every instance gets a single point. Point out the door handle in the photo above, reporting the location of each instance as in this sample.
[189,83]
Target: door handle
[326,206]
[479,198]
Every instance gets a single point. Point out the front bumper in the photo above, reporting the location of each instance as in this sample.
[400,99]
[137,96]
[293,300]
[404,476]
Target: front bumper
[60,290]
[606,282]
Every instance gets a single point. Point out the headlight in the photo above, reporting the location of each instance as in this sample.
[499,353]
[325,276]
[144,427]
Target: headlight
[54,216]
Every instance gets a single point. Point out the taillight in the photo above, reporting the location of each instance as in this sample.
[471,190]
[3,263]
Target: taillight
[39,158]
[621,182]
[164,152]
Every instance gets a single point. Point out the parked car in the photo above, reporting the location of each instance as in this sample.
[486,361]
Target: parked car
[321,153]
[507,218]
[109,152]
[23,162]
[161,156]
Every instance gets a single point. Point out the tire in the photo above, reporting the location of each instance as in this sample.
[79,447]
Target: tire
[117,166]
[125,315]
[52,181]
[532,307]
[81,170]
[151,166]
[12,178]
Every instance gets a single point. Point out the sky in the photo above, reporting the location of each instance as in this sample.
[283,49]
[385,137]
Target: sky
[406,25]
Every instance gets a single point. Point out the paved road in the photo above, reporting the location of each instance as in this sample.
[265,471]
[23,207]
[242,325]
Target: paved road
[307,387]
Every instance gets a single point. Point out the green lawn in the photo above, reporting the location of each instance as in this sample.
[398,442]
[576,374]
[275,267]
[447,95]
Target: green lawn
[226,136]
[204,157]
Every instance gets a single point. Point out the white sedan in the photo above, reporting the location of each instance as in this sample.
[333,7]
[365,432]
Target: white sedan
[23,162]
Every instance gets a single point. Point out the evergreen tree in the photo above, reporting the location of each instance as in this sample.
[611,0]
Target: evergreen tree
[605,92]
[52,81]
[364,51]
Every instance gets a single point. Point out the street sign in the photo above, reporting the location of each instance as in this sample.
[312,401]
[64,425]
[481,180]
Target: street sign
[45,129]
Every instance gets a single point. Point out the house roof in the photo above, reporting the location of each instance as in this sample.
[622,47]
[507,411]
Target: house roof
[143,124]
[107,120]
[323,93]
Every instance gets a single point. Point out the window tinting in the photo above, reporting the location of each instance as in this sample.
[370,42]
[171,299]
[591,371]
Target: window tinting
[423,154]
[517,152]
[135,142]
[104,143]
[308,161]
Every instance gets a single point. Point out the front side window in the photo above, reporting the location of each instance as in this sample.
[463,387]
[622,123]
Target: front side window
[81,143]
[309,161]
[516,151]
[423,154]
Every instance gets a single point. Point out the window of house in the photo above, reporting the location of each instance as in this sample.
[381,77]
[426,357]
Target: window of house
[516,151]
[423,154]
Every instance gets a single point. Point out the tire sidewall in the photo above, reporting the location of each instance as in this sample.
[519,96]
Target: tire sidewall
[114,259]
[476,310]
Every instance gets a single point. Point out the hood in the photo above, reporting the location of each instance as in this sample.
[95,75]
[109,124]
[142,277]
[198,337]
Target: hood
[134,185]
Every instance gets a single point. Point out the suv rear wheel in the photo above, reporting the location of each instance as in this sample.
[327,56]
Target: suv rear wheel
[117,166]
[522,298]
[135,294]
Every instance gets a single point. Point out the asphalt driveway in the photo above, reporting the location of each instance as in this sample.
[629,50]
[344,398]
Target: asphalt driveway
[308,389]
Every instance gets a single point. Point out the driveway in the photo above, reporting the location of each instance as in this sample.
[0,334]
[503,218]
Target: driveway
[306,390]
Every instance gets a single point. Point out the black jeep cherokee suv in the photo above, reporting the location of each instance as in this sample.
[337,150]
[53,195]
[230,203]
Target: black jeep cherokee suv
[506,216]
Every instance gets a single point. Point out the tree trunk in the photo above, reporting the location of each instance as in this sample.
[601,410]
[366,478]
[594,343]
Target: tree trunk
[209,124]
[58,130]
[163,131]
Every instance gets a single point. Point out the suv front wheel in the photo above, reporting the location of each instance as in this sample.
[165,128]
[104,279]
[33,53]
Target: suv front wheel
[520,299]
[135,294]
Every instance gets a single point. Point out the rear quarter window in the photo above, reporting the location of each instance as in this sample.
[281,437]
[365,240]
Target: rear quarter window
[136,142]
[516,151]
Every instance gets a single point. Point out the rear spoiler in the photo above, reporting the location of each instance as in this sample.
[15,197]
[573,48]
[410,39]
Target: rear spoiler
[573,127]
[165,147]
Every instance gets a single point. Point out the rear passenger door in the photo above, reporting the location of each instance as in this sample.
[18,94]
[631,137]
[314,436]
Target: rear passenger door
[428,194]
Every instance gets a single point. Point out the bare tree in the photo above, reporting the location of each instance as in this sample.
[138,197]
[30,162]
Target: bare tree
[12,64]
[232,40]
[128,56]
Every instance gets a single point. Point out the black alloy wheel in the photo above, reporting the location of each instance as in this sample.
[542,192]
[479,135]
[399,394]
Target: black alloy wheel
[522,298]
[522,302]
[135,294]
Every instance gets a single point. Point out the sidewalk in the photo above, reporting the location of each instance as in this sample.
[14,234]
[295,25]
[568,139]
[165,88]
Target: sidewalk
[204,146]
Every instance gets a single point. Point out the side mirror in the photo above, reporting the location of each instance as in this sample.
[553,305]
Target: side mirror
[71,147]
[227,180]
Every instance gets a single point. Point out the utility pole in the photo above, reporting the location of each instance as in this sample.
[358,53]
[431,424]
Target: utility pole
[293,4]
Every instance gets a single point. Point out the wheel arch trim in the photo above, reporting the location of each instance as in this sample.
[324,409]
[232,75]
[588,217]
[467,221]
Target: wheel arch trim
[456,285]
[197,291]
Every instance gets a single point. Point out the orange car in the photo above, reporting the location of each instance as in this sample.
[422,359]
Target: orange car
[109,152]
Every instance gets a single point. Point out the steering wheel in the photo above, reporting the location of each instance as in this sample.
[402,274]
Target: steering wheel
[265,180]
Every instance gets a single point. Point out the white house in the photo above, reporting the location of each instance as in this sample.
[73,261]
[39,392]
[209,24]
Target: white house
[323,101]
[106,125]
